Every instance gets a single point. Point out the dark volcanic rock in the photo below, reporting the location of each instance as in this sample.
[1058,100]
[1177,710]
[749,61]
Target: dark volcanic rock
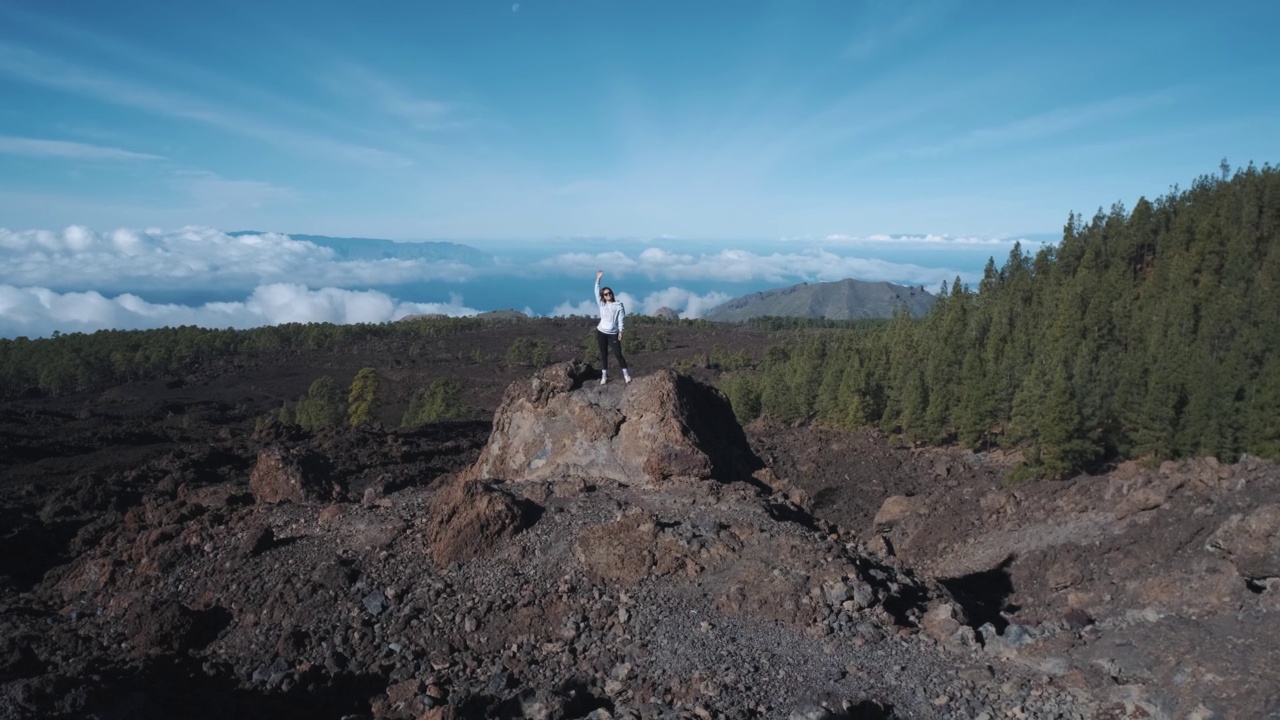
[468,518]
[655,577]
[661,427]
[1252,542]
[291,475]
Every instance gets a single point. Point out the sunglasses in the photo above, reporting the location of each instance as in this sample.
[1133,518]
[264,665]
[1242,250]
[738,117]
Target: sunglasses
[606,293]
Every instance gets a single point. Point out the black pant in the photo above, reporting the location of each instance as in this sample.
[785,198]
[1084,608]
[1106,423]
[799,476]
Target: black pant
[605,341]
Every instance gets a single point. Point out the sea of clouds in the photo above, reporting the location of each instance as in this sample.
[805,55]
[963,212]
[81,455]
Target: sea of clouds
[37,312]
[82,280]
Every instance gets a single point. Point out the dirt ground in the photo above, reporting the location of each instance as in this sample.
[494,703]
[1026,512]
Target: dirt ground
[1152,589]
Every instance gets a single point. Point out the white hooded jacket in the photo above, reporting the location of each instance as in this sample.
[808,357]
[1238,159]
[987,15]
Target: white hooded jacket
[612,314]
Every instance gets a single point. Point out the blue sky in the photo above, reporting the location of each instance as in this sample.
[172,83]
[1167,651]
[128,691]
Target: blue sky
[570,133]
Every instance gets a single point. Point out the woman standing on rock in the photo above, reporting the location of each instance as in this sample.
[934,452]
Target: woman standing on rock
[609,331]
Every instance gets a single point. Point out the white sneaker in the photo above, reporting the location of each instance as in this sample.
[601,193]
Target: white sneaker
[604,378]
[626,376]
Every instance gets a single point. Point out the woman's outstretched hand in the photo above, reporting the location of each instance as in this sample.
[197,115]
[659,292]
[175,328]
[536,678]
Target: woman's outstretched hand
[599,274]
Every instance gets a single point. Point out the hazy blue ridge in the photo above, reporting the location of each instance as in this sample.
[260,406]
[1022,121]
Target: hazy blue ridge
[846,299]
[377,249]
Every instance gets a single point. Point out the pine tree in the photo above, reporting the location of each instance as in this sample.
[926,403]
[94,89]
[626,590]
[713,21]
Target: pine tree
[976,417]
[1063,441]
[518,353]
[321,407]
[906,394]
[362,401]
[540,353]
[743,392]
[946,338]
[442,400]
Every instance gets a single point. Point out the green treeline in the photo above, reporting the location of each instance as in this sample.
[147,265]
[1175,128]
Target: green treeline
[67,363]
[1153,333]
[323,407]
[72,362]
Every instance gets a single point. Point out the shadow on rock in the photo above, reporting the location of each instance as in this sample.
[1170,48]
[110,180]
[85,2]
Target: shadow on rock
[661,428]
[984,595]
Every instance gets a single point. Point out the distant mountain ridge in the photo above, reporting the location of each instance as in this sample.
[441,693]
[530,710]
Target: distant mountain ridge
[846,299]
[377,249]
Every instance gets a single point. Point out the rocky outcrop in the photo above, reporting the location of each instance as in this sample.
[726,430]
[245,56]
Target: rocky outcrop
[660,428]
[893,512]
[282,475]
[468,518]
[1159,581]
[1251,542]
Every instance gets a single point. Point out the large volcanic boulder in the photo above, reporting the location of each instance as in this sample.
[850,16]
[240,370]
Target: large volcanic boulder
[660,428]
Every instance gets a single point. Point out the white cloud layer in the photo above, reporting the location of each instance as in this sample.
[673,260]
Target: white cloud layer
[923,241]
[79,279]
[80,258]
[688,304]
[814,264]
[194,257]
[38,312]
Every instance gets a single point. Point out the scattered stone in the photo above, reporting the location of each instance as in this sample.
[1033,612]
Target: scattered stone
[375,602]
[290,475]
[1076,619]
[257,541]
[942,621]
[330,513]
[892,512]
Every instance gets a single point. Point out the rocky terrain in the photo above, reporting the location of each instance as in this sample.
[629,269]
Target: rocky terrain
[616,551]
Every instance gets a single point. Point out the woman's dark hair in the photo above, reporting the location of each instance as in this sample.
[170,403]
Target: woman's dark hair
[604,290]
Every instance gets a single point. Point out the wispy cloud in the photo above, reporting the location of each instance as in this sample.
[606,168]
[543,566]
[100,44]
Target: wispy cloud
[885,25]
[38,311]
[34,147]
[751,145]
[42,69]
[211,191]
[426,114]
[1044,125]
